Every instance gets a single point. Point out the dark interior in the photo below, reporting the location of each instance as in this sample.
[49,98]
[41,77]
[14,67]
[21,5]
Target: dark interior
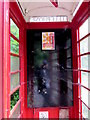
[59,70]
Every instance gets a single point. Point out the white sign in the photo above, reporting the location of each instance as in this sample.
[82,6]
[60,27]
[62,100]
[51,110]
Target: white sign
[43,115]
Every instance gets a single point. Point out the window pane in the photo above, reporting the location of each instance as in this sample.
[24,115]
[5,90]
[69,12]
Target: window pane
[84,62]
[84,111]
[84,46]
[14,29]
[68,43]
[84,95]
[69,74]
[84,78]
[14,99]
[84,29]
[14,63]
[16,113]
[69,52]
[14,81]
[14,46]
[68,63]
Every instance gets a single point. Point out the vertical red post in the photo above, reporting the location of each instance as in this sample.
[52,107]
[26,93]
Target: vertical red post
[1,38]
[6,63]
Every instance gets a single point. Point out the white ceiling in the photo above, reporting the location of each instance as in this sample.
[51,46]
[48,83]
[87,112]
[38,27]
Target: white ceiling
[46,8]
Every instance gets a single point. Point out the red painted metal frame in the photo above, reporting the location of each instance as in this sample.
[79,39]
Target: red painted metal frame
[48,25]
[16,15]
[1,38]
[6,59]
[81,21]
[54,3]
[84,37]
[14,37]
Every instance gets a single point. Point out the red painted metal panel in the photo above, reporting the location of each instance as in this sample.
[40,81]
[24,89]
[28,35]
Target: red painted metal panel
[1,37]
[81,15]
[54,3]
[16,15]
[48,25]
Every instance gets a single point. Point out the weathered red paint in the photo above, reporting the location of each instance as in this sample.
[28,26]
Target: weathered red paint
[1,37]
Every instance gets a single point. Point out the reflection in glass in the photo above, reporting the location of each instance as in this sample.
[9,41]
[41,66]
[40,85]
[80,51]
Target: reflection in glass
[84,46]
[16,113]
[14,63]
[84,29]
[84,95]
[84,78]
[68,43]
[85,111]
[14,29]
[68,63]
[14,99]
[14,81]
[84,62]
[69,52]
[14,46]
[49,81]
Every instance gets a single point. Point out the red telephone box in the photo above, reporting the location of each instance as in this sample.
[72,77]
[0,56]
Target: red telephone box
[13,62]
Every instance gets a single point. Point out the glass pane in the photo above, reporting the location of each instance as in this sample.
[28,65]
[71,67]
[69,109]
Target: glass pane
[69,52]
[68,43]
[84,46]
[84,95]
[14,99]
[14,29]
[14,46]
[69,74]
[16,113]
[68,63]
[84,62]
[84,79]
[14,63]
[14,81]
[84,111]
[84,29]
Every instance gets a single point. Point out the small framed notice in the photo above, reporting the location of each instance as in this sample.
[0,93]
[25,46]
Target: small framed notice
[48,41]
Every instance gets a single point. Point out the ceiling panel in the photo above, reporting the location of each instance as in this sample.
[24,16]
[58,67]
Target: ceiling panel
[46,8]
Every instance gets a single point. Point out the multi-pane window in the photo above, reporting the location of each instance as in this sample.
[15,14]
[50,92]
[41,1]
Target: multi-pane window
[14,71]
[84,68]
